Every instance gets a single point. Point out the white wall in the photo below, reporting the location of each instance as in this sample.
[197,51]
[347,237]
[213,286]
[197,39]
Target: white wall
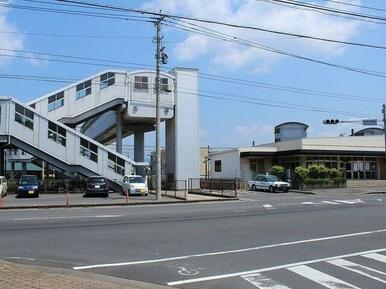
[230,165]
[182,132]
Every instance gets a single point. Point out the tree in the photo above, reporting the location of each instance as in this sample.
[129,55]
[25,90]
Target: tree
[278,171]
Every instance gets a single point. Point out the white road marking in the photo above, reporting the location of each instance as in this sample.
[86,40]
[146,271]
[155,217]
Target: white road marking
[267,206]
[66,217]
[321,278]
[376,257]
[360,269]
[263,282]
[229,252]
[285,266]
[350,202]
[330,202]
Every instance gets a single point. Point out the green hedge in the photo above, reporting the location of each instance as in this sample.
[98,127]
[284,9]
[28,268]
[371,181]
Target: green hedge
[318,175]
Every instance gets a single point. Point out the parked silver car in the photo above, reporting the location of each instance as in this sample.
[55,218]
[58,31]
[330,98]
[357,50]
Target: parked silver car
[3,186]
[268,182]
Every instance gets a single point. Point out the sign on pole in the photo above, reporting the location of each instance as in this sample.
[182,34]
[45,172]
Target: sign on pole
[369,122]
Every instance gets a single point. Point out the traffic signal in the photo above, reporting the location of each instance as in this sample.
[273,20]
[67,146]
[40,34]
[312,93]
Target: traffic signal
[331,121]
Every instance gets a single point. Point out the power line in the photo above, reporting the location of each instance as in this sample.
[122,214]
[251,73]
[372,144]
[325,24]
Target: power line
[357,5]
[214,77]
[230,25]
[77,35]
[237,40]
[243,42]
[232,38]
[319,8]
[79,13]
[214,95]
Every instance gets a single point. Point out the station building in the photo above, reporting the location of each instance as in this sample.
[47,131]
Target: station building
[362,156]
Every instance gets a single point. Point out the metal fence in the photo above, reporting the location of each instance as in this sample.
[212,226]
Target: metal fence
[227,188]
[176,189]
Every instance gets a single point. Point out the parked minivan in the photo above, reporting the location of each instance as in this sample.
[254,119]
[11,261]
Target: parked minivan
[97,185]
[135,184]
[3,186]
[28,186]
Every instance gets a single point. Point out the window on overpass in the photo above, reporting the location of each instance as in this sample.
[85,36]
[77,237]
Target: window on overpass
[141,82]
[217,166]
[116,164]
[107,79]
[24,116]
[83,89]
[57,133]
[55,101]
[88,150]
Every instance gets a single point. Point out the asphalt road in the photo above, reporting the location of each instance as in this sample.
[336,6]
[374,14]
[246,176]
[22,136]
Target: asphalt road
[262,241]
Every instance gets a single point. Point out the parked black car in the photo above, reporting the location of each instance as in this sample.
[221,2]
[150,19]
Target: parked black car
[28,186]
[97,186]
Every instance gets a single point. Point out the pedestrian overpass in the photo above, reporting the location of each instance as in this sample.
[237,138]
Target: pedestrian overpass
[71,127]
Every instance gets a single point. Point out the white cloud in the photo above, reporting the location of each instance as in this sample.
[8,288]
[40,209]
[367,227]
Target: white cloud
[8,40]
[259,14]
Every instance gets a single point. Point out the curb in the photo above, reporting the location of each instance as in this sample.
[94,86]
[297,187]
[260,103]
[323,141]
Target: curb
[302,192]
[115,205]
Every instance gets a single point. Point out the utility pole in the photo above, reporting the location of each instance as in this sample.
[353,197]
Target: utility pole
[161,57]
[384,124]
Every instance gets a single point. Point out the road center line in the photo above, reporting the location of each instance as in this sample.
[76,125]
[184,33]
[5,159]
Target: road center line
[229,252]
[247,273]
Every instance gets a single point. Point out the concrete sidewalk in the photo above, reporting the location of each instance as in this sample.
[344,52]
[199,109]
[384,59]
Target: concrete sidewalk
[114,199]
[17,276]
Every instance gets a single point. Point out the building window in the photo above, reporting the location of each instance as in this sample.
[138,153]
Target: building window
[24,116]
[107,79]
[55,101]
[88,150]
[57,133]
[164,84]
[83,89]
[217,166]
[116,164]
[141,82]
[33,105]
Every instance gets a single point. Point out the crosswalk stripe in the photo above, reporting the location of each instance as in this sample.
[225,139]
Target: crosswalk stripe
[321,278]
[376,257]
[360,269]
[263,282]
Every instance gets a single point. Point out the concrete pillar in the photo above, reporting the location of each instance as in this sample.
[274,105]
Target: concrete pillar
[24,168]
[139,146]
[12,170]
[139,150]
[2,161]
[119,132]
[43,170]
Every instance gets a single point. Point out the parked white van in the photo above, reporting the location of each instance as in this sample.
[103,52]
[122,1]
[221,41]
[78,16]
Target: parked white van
[3,186]
[135,184]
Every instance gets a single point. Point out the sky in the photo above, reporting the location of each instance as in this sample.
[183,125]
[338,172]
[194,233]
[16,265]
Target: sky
[222,123]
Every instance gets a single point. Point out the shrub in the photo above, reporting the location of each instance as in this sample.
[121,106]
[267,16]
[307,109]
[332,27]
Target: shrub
[278,171]
[341,173]
[301,174]
[314,171]
[333,173]
[318,172]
